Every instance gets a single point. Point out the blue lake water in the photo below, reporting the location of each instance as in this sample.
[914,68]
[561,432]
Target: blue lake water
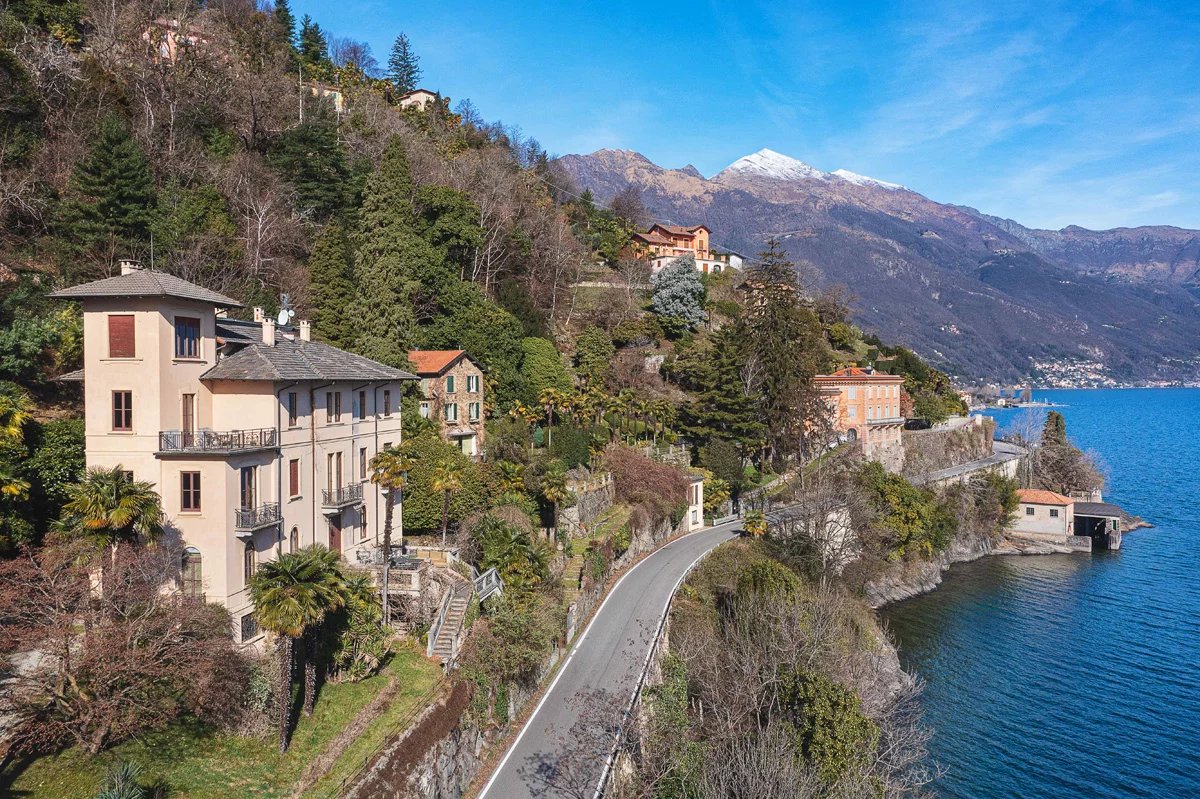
[1077,675]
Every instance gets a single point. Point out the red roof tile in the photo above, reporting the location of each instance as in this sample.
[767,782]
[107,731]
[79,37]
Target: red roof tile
[433,362]
[1037,496]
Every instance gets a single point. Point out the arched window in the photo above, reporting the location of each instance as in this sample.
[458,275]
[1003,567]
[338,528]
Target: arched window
[192,576]
[852,434]
[249,561]
[294,540]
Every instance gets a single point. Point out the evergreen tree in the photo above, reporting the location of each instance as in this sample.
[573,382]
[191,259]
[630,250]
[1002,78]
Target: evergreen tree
[286,20]
[721,408]
[467,320]
[312,44]
[390,259]
[113,190]
[594,352]
[404,67]
[542,368]
[1054,432]
[784,340]
[678,294]
[313,158]
[330,289]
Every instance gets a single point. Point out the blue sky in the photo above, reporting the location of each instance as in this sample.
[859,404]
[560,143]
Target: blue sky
[1048,113]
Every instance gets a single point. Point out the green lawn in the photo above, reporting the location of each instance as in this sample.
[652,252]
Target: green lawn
[197,764]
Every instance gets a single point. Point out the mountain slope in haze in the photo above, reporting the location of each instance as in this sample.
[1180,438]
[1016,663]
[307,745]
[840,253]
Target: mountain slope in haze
[981,297]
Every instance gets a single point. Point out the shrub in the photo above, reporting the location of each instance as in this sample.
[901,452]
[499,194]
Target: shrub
[423,505]
[657,487]
[830,728]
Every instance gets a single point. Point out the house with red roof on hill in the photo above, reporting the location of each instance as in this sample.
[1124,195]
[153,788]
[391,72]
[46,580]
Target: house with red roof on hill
[662,244]
[452,394]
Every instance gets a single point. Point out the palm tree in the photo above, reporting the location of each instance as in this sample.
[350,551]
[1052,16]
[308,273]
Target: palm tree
[446,478]
[521,561]
[554,489]
[15,408]
[551,399]
[512,477]
[111,510]
[327,566]
[292,594]
[389,471]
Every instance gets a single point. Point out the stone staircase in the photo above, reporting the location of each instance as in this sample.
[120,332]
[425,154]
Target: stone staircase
[449,634]
[572,574]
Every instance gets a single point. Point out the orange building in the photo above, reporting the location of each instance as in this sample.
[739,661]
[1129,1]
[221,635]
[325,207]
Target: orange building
[661,244]
[865,406]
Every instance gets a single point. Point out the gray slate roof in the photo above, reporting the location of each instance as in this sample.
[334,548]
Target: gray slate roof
[296,360]
[1098,509]
[238,331]
[146,283]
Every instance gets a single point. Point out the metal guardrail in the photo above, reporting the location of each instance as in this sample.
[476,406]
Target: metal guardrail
[254,518]
[339,497]
[487,584]
[435,629]
[217,440]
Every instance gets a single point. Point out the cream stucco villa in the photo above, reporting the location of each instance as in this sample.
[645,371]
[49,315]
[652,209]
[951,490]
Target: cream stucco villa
[258,438]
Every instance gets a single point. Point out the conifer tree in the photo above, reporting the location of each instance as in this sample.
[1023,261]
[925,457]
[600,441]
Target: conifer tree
[330,289]
[312,44]
[286,20]
[314,160]
[784,340]
[390,258]
[721,407]
[404,67]
[113,190]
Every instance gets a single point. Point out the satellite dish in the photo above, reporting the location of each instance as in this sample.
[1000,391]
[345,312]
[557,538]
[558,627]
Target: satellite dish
[284,317]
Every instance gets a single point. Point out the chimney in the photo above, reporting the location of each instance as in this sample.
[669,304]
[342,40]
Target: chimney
[129,266]
[305,330]
[258,313]
[268,332]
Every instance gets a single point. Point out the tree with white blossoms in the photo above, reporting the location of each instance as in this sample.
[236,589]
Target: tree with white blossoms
[678,294]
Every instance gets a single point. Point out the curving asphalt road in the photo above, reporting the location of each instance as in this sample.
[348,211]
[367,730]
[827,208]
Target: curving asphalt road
[562,749]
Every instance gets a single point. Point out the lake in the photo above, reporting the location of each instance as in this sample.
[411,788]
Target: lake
[1077,675]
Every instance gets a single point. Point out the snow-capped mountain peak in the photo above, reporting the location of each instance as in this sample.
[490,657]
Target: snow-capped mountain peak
[863,180]
[771,164]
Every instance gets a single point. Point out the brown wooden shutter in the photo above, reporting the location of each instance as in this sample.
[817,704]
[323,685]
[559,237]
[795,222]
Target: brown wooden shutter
[120,336]
[294,477]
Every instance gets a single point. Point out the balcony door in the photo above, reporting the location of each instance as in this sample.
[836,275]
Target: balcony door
[249,491]
[334,470]
[335,532]
[187,416]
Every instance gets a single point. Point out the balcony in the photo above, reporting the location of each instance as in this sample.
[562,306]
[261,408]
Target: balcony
[889,420]
[341,497]
[215,442]
[247,520]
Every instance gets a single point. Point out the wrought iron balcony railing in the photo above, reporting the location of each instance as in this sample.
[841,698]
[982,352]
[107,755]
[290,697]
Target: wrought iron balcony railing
[217,441]
[341,497]
[247,519]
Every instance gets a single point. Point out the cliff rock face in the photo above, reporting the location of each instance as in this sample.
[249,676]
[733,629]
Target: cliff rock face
[979,296]
[906,580]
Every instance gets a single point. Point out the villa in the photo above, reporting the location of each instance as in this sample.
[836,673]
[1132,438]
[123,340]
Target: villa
[662,244]
[864,406]
[258,439]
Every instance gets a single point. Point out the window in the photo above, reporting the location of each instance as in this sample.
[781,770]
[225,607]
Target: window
[1029,511]
[294,540]
[449,384]
[248,493]
[362,405]
[1054,513]
[293,409]
[187,337]
[852,393]
[120,336]
[387,402]
[853,414]
[191,575]
[187,415]
[122,405]
[249,562]
[249,627]
[451,412]
[472,384]
[189,492]
[473,411]
[424,409]
[294,477]
[127,475]
[333,406]
[362,463]
[334,470]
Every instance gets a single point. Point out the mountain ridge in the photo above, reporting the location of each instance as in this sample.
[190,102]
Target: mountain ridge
[983,297]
